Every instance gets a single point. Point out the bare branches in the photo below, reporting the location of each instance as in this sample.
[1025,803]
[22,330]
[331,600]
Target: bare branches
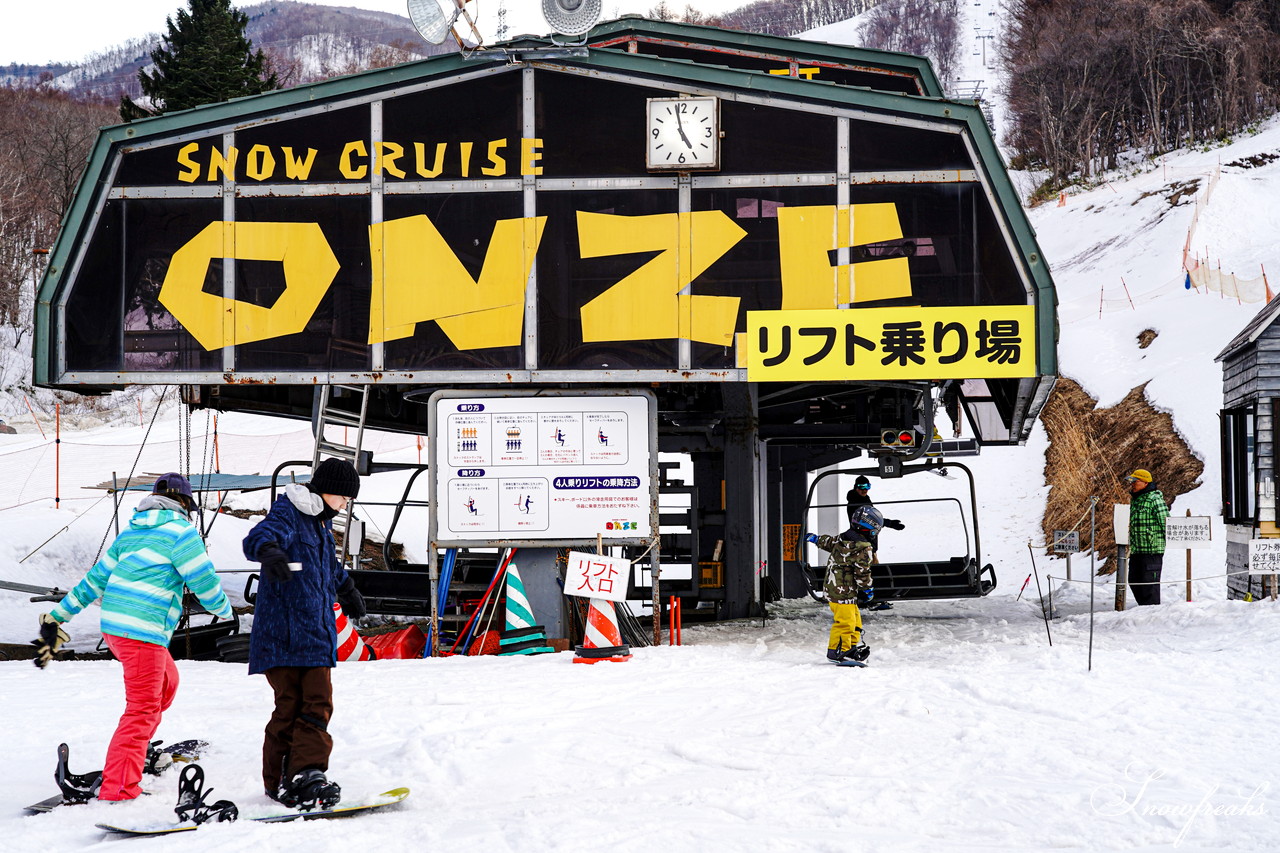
[1089,79]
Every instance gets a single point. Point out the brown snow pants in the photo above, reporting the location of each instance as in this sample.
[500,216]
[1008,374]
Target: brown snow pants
[296,735]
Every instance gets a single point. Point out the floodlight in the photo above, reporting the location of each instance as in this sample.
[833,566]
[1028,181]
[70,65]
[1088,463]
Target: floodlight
[430,20]
[571,17]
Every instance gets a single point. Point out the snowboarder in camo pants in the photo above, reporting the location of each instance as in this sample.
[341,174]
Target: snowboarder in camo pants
[849,582]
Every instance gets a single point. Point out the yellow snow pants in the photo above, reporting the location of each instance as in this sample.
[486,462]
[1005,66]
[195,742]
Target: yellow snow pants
[846,627]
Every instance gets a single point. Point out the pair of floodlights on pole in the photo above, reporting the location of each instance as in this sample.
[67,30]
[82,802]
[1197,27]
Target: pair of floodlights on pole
[565,17]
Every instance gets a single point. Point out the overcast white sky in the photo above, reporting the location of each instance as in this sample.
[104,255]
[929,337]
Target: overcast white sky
[38,31]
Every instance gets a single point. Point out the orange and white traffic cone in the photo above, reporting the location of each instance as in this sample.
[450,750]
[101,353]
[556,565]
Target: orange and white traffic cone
[350,644]
[602,640]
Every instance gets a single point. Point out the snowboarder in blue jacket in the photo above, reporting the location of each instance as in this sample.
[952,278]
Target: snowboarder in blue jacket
[294,639]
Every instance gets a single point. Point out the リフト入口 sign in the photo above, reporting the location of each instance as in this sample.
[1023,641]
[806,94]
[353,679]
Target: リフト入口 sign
[596,576]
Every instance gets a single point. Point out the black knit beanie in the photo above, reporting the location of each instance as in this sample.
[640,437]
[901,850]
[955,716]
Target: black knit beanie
[335,477]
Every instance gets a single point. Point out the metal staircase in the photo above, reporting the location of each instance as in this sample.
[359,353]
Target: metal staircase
[326,414]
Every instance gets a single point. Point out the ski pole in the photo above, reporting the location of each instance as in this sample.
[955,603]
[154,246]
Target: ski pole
[1043,612]
[1024,587]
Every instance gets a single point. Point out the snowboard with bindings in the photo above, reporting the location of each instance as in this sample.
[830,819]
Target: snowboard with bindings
[386,798]
[78,788]
[850,662]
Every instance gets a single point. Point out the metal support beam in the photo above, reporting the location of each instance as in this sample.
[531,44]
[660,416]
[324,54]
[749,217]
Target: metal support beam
[744,535]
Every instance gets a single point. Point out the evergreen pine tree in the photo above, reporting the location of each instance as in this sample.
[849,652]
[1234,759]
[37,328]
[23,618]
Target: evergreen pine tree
[205,58]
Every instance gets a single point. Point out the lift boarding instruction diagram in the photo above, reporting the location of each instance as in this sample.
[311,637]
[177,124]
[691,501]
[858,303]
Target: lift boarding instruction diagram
[542,467]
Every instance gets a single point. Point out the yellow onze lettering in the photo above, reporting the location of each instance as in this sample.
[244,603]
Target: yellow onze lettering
[417,278]
[810,280]
[647,304]
[345,165]
[215,321]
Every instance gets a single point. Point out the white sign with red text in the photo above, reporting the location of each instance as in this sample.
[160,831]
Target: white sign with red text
[593,576]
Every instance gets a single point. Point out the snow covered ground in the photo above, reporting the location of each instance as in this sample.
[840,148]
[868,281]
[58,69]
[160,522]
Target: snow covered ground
[968,732]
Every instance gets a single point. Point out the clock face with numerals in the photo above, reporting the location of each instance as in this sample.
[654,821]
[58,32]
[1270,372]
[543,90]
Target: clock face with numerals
[683,133]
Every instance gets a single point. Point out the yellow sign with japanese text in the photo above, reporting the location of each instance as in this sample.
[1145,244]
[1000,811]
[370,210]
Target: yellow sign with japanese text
[958,342]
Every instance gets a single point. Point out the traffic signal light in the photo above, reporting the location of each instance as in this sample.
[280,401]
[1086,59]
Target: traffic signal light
[898,438]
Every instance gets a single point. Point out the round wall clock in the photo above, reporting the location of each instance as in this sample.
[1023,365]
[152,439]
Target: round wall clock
[683,133]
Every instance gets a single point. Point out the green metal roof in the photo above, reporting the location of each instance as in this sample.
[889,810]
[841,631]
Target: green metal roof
[801,50]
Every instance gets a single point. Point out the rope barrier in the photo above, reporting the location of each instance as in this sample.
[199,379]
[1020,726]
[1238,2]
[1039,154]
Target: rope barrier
[1153,583]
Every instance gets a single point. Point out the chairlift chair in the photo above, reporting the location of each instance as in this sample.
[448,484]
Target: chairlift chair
[953,577]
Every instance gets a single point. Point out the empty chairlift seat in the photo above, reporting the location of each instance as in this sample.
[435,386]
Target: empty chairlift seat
[959,577]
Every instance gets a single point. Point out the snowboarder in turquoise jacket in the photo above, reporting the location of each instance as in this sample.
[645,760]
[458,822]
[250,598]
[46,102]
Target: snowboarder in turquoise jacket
[140,581]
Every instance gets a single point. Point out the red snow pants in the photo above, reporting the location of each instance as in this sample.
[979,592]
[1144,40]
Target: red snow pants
[150,683]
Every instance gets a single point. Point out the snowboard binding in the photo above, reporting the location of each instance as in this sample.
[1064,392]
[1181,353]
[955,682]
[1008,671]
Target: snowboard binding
[192,796]
[76,788]
[161,758]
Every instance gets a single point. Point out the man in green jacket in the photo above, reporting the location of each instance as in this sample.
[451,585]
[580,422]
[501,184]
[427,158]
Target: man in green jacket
[1147,514]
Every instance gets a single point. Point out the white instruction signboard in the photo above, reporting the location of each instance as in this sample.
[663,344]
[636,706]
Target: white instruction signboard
[554,468]
[593,576]
[1190,531]
[1264,556]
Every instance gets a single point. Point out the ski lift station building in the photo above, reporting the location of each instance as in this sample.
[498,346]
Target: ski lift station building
[789,252]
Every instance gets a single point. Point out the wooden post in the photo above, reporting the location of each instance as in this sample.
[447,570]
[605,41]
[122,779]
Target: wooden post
[1188,567]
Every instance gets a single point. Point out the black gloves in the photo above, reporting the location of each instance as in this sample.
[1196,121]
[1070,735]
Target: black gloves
[894,523]
[275,563]
[51,639]
[351,600]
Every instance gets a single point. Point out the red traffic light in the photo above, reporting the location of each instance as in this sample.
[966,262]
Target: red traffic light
[898,438]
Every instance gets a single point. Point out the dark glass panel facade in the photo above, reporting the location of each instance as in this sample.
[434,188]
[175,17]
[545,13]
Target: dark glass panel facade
[567,282]
[336,337]
[478,113]
[466,223]
[590,126]
[94,308]
[154,230]
[766,140]
[750,270]
[326,133]
[876,147]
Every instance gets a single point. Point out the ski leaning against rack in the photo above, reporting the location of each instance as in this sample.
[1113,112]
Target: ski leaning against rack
[194,811]
[78,788]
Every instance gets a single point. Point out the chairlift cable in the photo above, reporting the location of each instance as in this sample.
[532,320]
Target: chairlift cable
[133,469]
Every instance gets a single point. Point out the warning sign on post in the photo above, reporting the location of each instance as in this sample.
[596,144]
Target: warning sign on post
[1190,531]
[594,576]
[1264,556]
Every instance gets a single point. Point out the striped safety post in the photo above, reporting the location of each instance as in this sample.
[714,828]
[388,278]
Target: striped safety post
[602,640]
[521,636]
[351,646]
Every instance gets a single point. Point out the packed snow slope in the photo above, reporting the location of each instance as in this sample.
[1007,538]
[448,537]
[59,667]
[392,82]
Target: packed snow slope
[1137,730]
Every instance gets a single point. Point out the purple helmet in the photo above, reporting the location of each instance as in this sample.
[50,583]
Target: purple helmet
[175,486]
